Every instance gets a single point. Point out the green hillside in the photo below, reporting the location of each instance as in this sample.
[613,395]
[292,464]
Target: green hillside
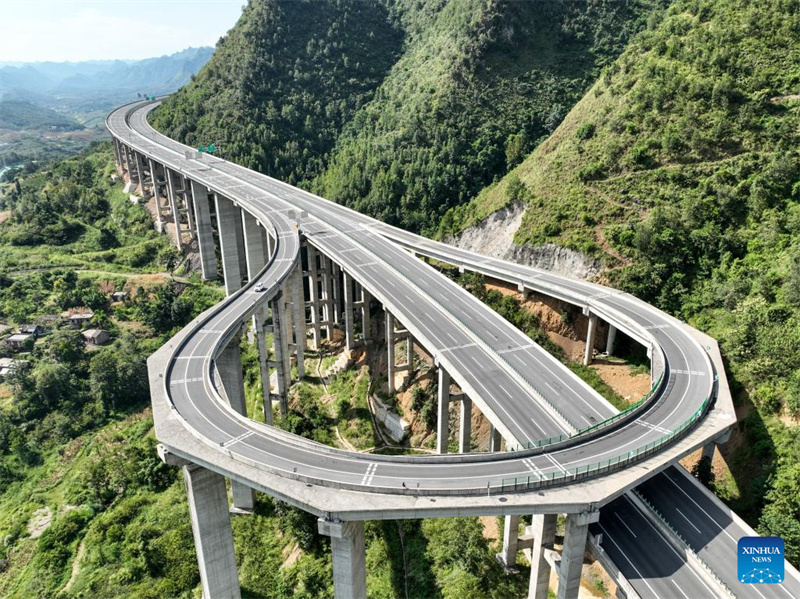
[18,115]
[283,82]
[410,112]
[680,168]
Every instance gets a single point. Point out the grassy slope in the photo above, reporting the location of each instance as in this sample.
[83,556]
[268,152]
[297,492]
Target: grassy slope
[680,169]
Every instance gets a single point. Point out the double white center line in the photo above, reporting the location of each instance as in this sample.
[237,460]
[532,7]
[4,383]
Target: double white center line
[369,474]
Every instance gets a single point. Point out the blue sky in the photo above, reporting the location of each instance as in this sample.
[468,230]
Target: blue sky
[71,30]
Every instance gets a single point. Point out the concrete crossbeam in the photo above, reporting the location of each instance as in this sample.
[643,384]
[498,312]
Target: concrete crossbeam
[443,412]
[211,528]
[543,527]
[349,558]
[205,234]
[229,226]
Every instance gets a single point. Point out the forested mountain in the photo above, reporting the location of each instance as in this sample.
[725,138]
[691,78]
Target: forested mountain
[399,109]
[680,169]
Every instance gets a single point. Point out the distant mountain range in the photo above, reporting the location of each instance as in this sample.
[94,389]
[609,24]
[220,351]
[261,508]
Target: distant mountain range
[31,81]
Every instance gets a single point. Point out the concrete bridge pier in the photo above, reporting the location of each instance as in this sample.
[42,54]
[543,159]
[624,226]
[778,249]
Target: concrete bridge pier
[213,536]
[299,314]
[610,339]
[347,284]
[188,205]
[127,164]
[229,367]
[281,354]
[154,192]
[543,527]
[229,227]
[569,570]
[366,323]
[465,425]
[140,175]
[495,439]
[205,233]
[349,558]
[172,198]
[314,296]
[335,291]
[390,340]
[590,335]
[443,412]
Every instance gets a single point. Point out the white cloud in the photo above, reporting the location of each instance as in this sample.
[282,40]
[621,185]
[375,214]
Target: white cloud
[91,33]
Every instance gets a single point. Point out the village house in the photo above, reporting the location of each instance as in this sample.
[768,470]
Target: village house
[96,336]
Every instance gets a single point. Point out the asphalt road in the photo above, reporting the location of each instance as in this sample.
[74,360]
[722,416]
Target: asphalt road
[457,328]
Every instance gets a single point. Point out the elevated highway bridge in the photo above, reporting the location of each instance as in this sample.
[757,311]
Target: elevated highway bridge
[297,267]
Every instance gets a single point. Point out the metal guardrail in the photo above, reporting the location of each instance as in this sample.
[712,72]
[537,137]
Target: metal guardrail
[615,463]
[607,422]
[684,543]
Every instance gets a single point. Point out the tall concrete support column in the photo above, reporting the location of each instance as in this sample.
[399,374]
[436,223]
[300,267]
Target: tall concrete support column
[495,439]
[313,296]
[263,363]
[128,164]
[587,356]
[189,205]
[156,196]
[390,351]
[544,535]
[465,425]
[254,248]
[336,295]
[299,319]
[173,206]
[443,413]
[139,173]
[612,337]
[205,234]
[281,351]
[508,557]
[211,528]
[117,155]
[569,572]
[349,558]
[410,355]
[229,223]
[366,323]
[229,366]
[348,312]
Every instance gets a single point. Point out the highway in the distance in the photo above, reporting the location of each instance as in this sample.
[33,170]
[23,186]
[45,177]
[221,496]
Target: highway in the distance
[453,325]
